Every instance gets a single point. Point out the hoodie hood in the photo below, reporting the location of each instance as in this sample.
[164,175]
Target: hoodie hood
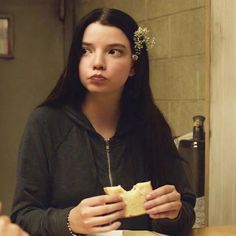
[125,124]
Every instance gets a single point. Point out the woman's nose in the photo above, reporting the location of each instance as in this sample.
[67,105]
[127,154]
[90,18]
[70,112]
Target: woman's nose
[99,62]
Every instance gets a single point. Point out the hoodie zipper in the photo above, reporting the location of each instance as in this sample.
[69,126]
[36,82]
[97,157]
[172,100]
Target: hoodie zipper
[109,161]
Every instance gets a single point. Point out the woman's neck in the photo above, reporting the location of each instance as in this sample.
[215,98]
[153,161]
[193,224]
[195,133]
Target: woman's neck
[103,112]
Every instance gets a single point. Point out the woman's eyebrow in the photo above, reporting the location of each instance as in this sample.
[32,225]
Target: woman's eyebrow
[117,45]
[87,44]
[108,45]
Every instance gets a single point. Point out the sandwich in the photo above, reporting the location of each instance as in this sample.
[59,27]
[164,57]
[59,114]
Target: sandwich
[134,199]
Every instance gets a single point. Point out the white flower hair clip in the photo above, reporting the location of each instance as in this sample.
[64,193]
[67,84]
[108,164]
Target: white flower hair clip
[141,37]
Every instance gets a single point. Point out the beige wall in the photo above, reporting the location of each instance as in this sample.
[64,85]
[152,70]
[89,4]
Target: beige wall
[178,59]
[177,64]
[26,79]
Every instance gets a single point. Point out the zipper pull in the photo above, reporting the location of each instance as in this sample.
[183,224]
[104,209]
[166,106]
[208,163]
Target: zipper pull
[108,161]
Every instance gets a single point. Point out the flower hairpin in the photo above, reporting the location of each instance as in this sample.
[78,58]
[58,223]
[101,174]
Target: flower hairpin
[141,37]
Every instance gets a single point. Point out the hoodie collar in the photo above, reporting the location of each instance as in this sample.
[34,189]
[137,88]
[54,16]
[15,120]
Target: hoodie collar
[125,123]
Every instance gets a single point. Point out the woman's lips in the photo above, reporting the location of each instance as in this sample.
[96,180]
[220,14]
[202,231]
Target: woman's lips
[97,78]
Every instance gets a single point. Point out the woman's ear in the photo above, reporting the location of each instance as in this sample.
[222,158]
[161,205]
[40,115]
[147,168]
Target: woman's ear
[132,72]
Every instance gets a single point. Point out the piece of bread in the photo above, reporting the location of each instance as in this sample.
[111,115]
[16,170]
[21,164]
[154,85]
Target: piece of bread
[134,199]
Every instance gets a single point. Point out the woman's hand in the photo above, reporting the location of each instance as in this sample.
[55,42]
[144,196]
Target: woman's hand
[97,214]
[163,202]
[9,229]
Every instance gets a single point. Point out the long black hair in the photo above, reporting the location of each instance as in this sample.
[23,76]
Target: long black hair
[136,98]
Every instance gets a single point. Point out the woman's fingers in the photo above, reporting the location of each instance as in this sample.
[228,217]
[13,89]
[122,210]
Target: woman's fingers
[14,229]
[4,220]
[100,200]
[104,220]
[167,198]
[162,215]
[102,210]
[112,226]
[161,191]
[167,207]
[101,205]
[4,223]
[97,214]
[9,229]
[163,202]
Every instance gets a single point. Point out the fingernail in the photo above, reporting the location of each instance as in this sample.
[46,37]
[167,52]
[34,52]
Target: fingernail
[118,224]
[150,212]
[147,206]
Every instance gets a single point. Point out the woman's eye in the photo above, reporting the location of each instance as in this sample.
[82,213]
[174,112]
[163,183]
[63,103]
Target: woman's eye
[85,51]
[115,52]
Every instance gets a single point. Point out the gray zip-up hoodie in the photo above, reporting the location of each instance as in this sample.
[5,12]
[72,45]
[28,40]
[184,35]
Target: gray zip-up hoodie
[62,160]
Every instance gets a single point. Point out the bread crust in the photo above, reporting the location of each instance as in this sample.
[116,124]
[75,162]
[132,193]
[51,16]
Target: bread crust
[134,198]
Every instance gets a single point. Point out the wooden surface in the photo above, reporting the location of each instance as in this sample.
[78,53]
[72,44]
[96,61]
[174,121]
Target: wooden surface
[222,161]
[227,230]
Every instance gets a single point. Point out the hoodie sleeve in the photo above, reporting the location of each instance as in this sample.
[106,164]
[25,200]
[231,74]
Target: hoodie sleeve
[31,208]
[178,227]
[182,225]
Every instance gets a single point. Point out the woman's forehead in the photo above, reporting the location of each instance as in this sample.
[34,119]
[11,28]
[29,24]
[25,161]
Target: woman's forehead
[97,32]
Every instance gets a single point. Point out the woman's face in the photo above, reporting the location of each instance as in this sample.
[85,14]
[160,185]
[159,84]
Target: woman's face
[106,62]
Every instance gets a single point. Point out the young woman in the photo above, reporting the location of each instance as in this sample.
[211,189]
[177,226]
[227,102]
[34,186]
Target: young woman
[100,127]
